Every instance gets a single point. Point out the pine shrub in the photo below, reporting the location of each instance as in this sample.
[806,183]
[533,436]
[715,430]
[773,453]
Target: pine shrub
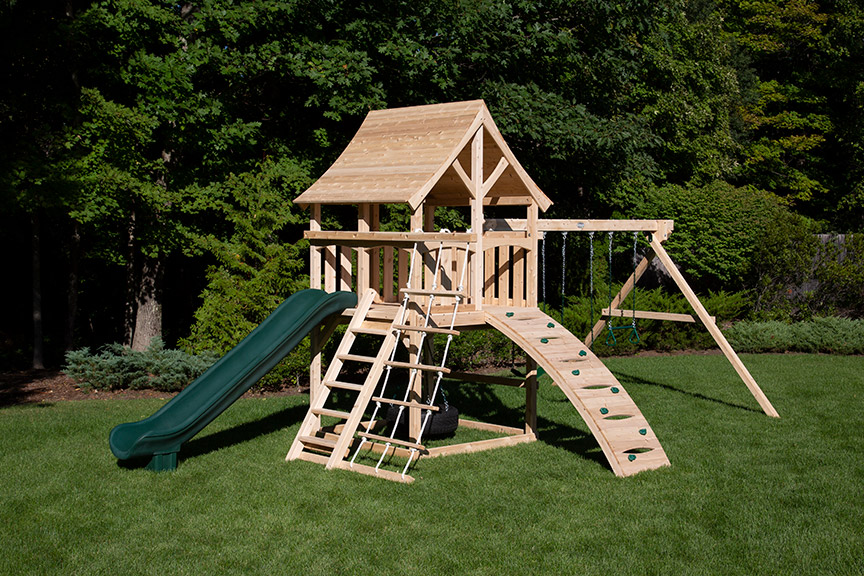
[116,367]
[821,335]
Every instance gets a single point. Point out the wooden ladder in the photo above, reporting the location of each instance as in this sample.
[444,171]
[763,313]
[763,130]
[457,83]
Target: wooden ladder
[312,443]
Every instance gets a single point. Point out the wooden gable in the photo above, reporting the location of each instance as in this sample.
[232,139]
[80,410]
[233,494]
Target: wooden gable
[422,153]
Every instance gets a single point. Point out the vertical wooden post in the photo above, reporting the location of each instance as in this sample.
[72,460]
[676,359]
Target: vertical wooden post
[477,218]
[315,251]
[375,253]
[531,276]
[315,346]
[712,328]
[530,396]
[429,258]
[315,282]
[364,221]
[414,352]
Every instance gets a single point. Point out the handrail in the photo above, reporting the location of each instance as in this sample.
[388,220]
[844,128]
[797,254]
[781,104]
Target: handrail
[396,239]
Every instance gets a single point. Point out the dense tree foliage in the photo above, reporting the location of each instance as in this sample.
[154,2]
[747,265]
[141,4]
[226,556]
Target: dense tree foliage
[149,151]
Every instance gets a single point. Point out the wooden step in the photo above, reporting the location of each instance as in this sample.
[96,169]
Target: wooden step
[318,442]
[406,404]
[329,412]
[343,385]
[356,358]
[427,329]
[444,293]
[371,331]
[396,441]
[425,367]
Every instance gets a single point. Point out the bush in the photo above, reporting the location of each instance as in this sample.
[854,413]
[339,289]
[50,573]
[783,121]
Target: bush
[820,335]
[117,367]
[717,229]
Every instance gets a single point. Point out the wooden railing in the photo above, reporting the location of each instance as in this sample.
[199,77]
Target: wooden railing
[508,265]
[355,261]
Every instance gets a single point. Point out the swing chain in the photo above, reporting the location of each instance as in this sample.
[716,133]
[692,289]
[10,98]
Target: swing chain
[591,282]
[563,271]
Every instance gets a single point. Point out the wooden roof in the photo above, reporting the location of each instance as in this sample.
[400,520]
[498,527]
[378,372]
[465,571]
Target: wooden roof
[408,155]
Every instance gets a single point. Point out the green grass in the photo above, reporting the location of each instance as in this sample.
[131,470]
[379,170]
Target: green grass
[746,494]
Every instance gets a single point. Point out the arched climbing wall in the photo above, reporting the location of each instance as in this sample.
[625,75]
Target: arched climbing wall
[616,422]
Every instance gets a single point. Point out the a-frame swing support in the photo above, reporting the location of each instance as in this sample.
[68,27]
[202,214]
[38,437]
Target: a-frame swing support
[658,231]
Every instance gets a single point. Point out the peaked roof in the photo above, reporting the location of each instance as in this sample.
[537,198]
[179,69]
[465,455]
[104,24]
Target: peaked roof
[408,155]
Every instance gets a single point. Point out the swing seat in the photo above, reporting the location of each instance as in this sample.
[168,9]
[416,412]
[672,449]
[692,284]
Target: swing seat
[611,340]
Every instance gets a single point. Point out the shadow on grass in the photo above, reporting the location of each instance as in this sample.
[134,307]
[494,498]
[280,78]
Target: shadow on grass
[625,378]
[481,402]
[242,433]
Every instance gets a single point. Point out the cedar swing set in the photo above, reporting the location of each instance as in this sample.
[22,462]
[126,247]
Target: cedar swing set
[420,284]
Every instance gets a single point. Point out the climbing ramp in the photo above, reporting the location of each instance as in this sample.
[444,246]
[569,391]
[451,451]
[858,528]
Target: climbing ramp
[614,419]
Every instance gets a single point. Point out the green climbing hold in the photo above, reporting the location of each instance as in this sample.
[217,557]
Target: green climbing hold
[643,431]
[540,371]
[550,325]
[604,410]
[631,457]
[575,372]
[614,390]
[544,340]
[582,353]
[509,314]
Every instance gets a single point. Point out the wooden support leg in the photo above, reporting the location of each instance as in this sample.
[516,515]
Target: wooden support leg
[628,287]
[713,329]
[315,346]
[531,396]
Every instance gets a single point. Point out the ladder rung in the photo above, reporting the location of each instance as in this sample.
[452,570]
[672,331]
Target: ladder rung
[356,358]
[409,365]
[407,404]
[377,438]
[371,331]
[429,329]
[317,441]
[420,292]
[329,412]
[343,385]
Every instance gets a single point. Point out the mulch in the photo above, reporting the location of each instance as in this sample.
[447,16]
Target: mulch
[49,386]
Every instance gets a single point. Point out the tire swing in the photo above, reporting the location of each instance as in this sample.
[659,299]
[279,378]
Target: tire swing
[442,422]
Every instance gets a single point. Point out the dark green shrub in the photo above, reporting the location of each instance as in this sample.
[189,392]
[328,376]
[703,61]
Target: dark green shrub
[717,229]
[117,367]
[821,335]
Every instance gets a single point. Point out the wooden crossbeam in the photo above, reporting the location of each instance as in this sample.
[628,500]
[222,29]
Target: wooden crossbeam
[648,315]
[663,227]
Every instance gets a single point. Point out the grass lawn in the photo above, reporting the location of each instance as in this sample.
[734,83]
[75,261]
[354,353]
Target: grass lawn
[746,494]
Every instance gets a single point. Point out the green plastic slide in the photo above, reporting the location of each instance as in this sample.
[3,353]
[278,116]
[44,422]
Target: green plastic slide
[155,441]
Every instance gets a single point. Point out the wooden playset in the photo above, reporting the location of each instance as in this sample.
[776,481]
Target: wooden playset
[419,284]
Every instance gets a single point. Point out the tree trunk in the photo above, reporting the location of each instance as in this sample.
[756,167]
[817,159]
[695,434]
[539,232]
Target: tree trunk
[72,288]
[129,301]
[148,316]
[38,340]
